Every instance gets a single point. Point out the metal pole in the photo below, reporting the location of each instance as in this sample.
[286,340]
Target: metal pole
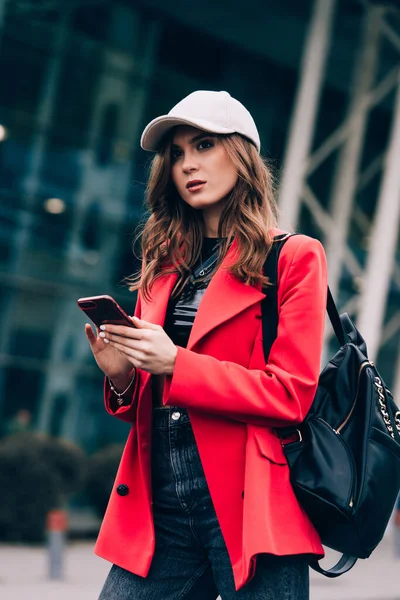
[383,243]
[305,111]
[345,179]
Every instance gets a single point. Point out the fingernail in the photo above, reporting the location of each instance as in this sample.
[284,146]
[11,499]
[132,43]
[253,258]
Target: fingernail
[103,327]
[102,334]
[106,341]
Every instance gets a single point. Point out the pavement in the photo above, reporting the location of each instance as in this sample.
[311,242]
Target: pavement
[23,575]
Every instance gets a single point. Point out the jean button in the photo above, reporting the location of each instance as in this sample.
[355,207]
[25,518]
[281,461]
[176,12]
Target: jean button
[175,416]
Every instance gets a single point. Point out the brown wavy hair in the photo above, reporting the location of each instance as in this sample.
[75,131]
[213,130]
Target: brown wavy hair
[171,238]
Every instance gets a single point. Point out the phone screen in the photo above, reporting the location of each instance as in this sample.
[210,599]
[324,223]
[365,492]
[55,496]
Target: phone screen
[104,309]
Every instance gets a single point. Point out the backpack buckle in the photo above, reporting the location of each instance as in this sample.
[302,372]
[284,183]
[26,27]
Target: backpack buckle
[290,436]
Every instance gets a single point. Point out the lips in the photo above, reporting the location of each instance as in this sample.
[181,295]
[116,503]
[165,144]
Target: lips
[194,183]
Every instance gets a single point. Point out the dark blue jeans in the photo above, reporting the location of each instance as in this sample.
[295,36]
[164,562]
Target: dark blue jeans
[191,560]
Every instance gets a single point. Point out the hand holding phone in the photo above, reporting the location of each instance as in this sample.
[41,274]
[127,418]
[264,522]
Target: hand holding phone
[102,310]
[115,349]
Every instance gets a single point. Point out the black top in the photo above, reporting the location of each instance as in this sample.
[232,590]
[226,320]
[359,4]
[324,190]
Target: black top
[181,311]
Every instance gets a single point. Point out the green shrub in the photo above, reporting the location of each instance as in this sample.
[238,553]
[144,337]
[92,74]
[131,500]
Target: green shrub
[37,474]
[102,469]
[69,464]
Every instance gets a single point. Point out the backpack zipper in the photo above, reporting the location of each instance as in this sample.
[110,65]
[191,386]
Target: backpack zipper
[350,501]
[362,367]
[339,429]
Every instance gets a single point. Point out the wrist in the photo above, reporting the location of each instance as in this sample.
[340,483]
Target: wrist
[171,370]
[121,382]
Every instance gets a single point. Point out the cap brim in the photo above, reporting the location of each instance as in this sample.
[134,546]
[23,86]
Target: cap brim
[156,129]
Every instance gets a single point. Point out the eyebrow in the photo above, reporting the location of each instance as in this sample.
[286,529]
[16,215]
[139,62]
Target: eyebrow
[196,139]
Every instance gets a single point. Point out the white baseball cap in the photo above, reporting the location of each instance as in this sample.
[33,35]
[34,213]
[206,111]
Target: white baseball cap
[216,112]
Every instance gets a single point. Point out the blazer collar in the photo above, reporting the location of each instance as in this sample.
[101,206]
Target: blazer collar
[224,298]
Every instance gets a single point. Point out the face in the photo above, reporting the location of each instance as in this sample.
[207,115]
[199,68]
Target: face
[202,170]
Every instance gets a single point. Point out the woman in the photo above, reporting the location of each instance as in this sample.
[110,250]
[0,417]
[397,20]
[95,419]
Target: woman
[202,504]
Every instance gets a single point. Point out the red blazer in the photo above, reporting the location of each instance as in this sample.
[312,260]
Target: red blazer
[234,401]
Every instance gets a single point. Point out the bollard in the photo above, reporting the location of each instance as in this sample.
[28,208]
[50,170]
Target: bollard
[56,526]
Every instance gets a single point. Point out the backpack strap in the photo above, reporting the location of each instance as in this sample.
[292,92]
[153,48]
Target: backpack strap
[335,319]
[269,306]
[341,325]
[270,317]
[344,564]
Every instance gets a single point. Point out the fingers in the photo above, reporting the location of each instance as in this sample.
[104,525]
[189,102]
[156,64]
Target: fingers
[92,336]
[89,333]
[132,344]
[141,324]
[127,351]
[136,332]
[122,331]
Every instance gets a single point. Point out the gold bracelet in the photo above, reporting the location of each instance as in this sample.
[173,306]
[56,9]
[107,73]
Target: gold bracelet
[119,395]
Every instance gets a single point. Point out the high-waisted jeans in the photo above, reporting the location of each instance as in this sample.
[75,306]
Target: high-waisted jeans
[191,561]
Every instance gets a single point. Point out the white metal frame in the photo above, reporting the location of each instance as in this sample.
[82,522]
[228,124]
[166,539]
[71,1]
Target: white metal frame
[348,140]
[305,112]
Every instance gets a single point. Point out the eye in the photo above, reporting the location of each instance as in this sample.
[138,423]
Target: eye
[175,154]
[204,144]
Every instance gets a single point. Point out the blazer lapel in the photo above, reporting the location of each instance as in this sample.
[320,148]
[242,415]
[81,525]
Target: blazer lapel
[155,310]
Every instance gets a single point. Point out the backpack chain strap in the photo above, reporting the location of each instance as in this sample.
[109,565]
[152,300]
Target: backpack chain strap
[382,405]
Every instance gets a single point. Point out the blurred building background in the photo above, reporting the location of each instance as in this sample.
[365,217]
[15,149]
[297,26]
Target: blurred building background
[78,82]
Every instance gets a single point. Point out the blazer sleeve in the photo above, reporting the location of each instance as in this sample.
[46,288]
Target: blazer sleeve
[282,393]
[127,411]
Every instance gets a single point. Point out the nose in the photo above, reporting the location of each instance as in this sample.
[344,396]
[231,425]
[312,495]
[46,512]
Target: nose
[189,165]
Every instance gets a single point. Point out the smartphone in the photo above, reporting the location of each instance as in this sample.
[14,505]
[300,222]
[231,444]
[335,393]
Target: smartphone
[104,309]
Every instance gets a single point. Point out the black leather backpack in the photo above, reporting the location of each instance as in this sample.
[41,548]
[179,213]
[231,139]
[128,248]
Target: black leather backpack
[345,460]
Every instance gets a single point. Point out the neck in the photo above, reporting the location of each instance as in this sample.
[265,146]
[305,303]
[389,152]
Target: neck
[211,217]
